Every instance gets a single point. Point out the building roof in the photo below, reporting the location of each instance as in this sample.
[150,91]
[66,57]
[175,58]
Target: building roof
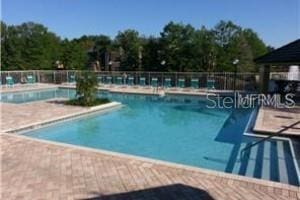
[288,54]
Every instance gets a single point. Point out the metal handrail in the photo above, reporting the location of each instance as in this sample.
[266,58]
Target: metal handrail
[269,137]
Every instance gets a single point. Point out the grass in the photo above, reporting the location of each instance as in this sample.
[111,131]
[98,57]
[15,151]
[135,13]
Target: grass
[79,102]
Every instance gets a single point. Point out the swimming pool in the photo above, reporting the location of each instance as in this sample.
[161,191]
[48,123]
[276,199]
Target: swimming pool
[36,95]
[179,129]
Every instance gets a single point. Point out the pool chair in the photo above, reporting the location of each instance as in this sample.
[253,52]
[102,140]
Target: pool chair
[142,81]
[30,79]
[72,79]
[108,80]
[119,80]
[9,81]
[195,83]
[210,85]
[167,83]
[130,81]
[100,80]
[181,83]
[154,82]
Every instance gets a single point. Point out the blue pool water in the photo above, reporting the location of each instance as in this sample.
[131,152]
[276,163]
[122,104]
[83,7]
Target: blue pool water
[176,129]
[36,95]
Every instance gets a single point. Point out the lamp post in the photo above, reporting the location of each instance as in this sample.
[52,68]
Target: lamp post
[235,63]
[109,65]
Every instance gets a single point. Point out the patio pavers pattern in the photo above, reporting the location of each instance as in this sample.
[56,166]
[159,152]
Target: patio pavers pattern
[272,120]
[24,87]
[14,116]
[38,170]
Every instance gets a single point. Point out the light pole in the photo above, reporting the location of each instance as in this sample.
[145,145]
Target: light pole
[109,65]
[235,63]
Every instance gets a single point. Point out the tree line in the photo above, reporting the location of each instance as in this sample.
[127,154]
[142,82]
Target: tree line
[180,47]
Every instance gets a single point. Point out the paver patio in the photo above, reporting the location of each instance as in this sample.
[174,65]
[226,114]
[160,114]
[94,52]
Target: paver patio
[272,120]
[38,170]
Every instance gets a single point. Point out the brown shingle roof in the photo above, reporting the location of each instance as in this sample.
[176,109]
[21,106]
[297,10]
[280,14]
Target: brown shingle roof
[288,54]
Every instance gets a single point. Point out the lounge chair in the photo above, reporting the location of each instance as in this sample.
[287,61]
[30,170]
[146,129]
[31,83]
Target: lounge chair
[108,80]
[195,83]
[100,80]
[130,81]
[30,79]
[154,82]
[181,83]
[9,81]
[142,81]
[210,85]
[119,80]
[167,83]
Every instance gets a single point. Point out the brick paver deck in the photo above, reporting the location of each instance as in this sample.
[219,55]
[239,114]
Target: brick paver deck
[40,170]
[272,120]
[14,116]
[24,87]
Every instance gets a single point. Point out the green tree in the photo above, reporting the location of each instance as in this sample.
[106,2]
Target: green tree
[74,56]
[177,46]
[131,49]
[232,44]
[152,58]
[11,48]
[29,46]
[86,88]
[257,46]
[204,50]
[181,46]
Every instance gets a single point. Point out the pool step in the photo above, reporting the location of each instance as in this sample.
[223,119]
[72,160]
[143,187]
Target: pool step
[269,160]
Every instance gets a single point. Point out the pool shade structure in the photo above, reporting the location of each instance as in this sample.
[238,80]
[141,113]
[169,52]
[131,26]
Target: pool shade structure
[284,56]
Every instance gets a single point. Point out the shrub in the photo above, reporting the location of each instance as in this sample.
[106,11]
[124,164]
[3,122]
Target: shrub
[86,91]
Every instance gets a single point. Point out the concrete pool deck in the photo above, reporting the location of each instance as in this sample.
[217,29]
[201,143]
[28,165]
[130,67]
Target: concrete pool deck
[33,169]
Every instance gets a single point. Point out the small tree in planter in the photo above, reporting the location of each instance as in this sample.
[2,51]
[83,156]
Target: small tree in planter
[86,91]
[86,88]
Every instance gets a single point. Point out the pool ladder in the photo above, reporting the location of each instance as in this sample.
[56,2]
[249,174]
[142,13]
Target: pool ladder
[266,138]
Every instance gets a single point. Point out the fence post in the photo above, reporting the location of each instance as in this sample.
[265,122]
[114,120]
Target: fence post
[225,82]
[54,78]
[67,76]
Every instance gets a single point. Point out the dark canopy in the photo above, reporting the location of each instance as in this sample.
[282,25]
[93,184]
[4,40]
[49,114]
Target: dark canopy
[288,54]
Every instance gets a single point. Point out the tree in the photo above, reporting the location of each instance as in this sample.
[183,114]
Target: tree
[11,48]
[180,47]
[152,58]
[86,91]
[29,46]
[73,55]
[177,46]
[257,46]
[130,45]
[86,88]
[204,50]
[233,42]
